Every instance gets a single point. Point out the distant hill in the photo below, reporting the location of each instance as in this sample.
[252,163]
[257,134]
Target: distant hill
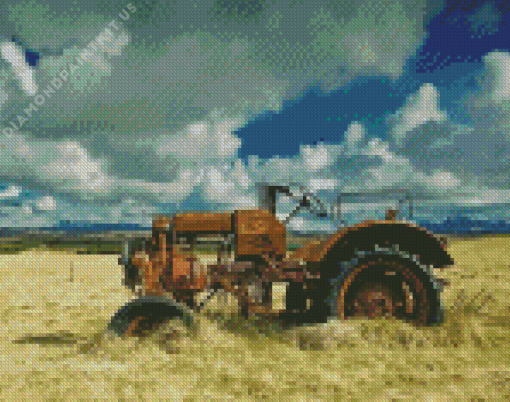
[77,228]
[97,227]
[455,226]
[465,226]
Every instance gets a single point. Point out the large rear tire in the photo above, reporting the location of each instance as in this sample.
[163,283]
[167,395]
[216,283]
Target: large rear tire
[385,285]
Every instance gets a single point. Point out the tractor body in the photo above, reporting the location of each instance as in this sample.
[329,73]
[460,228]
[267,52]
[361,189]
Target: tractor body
[371,269]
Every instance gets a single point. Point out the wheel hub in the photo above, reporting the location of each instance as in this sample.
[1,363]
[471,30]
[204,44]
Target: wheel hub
[374,300]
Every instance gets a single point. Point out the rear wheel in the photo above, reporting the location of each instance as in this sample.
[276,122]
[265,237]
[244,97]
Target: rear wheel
[375,300]
[390,286]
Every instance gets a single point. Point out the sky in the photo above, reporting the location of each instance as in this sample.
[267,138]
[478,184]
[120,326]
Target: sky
[190,105]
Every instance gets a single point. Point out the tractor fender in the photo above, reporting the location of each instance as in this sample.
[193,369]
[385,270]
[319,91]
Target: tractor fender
[370,235]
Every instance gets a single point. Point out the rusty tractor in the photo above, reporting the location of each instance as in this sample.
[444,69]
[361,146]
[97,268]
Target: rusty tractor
[372,269]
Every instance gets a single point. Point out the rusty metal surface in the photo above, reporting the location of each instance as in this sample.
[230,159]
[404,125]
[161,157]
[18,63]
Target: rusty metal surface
[188,273]
[259,231]
[261,240]
[161,222]
[415,240]
[233,266]
[310,252]
[203,223]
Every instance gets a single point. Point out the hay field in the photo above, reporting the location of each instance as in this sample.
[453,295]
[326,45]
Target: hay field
[52,346]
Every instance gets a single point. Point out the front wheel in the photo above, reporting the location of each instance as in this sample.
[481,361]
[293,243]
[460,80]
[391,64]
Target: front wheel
[390,286]
[140,317]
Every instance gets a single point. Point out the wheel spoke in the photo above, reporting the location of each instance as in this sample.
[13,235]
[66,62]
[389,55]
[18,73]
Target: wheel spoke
[409,298]
[374,300]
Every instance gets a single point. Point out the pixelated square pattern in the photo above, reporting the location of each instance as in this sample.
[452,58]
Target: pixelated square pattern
[292,200]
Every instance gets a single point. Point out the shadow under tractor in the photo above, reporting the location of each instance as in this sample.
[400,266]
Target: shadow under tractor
[372,269]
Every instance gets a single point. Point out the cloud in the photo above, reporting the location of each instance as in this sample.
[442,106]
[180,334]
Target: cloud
[445,180]
[47,203]
[475,152]
[73,168]
[14,55]
[494,81]
[420,108]
[315,158]
[202,142]
[57,166]
[23,216]
[322,184]
[147,120]
[241,62]
[354,135]
[230,186]
[11,192]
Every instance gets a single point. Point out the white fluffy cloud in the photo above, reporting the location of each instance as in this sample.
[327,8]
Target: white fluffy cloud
[475,152]
[495,80]
[73,168]
[59,166]
[47,203]
[11,192]
[14,55]
[202,142]
[445,180]
[315,158]
[420,108]
[354,135]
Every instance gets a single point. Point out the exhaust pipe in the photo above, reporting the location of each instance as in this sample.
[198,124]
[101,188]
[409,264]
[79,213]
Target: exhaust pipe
[124,256]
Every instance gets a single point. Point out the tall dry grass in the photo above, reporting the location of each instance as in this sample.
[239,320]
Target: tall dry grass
[53,346]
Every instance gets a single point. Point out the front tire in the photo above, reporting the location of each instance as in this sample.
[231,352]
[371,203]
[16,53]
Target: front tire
[144,315]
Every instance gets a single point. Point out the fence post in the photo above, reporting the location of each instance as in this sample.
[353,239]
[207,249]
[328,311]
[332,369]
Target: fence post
[71,273]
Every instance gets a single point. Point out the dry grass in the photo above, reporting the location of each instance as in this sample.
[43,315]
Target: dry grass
[53,347]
